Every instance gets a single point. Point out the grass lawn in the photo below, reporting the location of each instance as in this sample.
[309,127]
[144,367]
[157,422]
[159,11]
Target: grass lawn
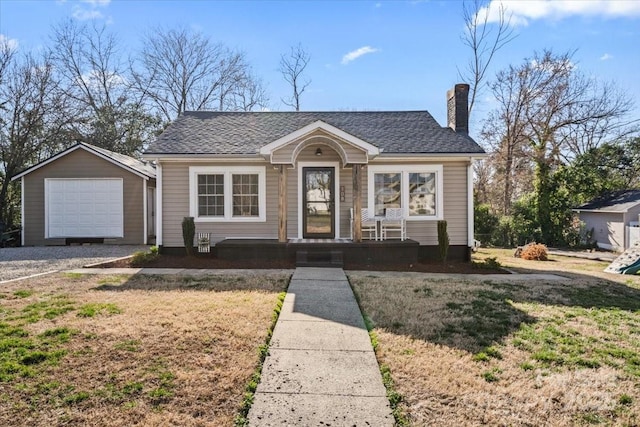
[140,350]
[495,352]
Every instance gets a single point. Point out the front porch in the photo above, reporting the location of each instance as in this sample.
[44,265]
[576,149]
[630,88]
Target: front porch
[320,252]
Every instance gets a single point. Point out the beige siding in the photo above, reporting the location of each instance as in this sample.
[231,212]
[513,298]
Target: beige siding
[175,206]
[81,164]
[176,203]
[285,153]
[608,228]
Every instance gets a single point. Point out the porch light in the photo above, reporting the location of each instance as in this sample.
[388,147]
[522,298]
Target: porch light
[318,151]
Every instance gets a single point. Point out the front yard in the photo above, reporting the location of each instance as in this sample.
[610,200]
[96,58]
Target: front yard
[501,352]
[150,350]
[120,350]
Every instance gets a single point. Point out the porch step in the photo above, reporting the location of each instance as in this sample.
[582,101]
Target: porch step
[319,258]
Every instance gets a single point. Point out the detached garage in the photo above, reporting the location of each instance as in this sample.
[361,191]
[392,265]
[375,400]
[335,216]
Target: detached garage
[88,194]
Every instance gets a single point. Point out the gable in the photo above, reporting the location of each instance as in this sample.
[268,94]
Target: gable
[350,148]
[127,163]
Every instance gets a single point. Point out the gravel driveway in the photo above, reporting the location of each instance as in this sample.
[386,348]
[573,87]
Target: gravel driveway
[20,262]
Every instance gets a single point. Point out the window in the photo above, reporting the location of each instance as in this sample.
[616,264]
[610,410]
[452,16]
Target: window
[227,193]
[422,193]
[211,195]
[416,189]
[245,195]
[387,191]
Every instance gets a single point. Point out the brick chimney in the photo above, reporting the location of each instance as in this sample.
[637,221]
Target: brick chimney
[458,108]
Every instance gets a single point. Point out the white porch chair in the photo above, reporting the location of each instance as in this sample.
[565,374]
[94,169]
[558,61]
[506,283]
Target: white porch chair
[394,221]
[368,224]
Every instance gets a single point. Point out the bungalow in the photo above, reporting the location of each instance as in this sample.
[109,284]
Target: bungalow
[283,178]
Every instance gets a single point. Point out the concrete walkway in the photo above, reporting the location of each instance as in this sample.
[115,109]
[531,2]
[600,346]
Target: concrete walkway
[321,369]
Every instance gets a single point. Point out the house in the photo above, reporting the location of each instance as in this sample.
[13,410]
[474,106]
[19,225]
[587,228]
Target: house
[280,178]
[614,218]
[88,194]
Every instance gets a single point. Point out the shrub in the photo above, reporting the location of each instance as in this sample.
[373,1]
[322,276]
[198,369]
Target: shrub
[141,258]
[188,233]
[534,251]
[443,240]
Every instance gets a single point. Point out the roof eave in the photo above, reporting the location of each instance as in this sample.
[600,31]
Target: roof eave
[87,148]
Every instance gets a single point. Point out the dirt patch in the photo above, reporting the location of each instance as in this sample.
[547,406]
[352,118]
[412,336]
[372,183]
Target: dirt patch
[131,350]
[210,262]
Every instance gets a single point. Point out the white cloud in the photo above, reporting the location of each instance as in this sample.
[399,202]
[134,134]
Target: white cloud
[523,12]
[11,43]
[606,57]
[95,79]
[97,2]
[92,11]
[355,54]
[84,14]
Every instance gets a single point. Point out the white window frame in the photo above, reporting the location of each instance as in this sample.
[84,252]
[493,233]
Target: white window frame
[404,171]
[228,171]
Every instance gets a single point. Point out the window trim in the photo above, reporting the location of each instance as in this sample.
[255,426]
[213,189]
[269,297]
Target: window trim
[404,171]
[228,171]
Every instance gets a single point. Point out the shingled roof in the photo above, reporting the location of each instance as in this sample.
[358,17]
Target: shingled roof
[134,165]
[617,201]
[238,133]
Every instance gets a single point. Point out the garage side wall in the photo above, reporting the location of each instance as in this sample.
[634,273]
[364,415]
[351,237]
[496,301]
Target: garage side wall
[81,164]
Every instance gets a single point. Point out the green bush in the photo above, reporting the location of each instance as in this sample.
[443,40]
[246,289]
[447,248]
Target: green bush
[140,258]
[188,233]
[443,240]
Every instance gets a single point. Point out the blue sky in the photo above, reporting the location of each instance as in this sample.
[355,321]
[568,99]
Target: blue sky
[404,54]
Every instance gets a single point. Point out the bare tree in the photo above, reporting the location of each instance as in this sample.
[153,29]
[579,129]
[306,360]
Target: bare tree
[291,67]
[94,72]
[32,120]
[248,94]
[504,131]
[547,104]
[484,39]
[182,70]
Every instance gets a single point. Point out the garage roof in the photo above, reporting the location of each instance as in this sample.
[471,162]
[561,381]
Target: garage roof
[135,166]
[617,201]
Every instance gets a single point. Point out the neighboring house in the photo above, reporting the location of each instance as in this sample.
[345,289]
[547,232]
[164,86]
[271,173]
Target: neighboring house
[292,176]
[614,219]
[88,194]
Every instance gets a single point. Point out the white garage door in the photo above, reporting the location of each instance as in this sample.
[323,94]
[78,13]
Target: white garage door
[84,208]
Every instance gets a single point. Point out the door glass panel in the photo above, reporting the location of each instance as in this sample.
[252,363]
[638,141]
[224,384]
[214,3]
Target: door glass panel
[319,202]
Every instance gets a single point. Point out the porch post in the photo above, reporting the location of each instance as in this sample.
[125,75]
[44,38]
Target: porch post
[356,173]
[282,204]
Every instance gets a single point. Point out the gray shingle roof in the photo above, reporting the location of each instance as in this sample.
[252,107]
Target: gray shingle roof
[138,165]
[401,132]
[123,160]
[617,201]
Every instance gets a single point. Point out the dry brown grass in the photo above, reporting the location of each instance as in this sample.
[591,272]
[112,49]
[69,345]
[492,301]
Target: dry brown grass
[476,352]
[173,351]
[566,266]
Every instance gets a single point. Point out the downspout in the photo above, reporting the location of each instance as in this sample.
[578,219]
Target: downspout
[158,203]
[145,226]
[470,210]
